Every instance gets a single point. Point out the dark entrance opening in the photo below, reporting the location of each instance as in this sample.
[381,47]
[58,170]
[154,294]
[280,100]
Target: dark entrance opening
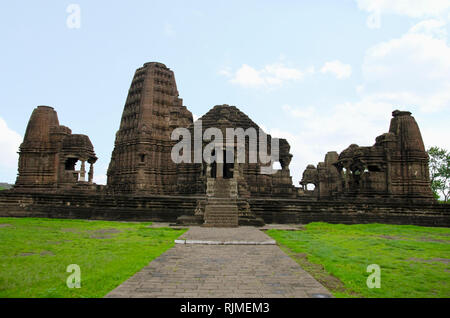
[228,166]
[70,163]
[213,169]
[213,166]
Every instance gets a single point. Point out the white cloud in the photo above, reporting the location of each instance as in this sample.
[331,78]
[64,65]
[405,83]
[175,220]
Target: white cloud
[226,71]
[277,74]
[100,179]
[303,152]
[337,68]
[9,144]
[269,76]
[410,8]
[248,76]
[434,135]
[413,70]
[433,27]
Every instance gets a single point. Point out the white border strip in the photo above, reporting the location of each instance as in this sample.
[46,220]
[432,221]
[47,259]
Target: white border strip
[200,242]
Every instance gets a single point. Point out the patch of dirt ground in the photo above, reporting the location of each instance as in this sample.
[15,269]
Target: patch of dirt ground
[46,253]
[431,260]
[423,239]
[426,239]
[108,231]
[331,282]
[95,234]
[104,233]
[43,253]
[70,230]
[58,242]
[27,254]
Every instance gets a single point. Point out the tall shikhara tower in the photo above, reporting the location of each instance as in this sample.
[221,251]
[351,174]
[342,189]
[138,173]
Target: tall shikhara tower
[141,160]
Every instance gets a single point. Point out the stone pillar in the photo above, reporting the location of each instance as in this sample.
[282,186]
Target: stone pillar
[91,172]
[83,171]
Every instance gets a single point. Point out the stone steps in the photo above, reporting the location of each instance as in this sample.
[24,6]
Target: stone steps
[222,189]
[221,212]
[221,209]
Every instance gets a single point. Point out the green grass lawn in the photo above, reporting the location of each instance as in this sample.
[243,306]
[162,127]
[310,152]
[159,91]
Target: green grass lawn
[414,260]
[35,253]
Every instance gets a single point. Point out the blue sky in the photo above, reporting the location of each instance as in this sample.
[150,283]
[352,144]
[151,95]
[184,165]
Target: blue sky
[323,74]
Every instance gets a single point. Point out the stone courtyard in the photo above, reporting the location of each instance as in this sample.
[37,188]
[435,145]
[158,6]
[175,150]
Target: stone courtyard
[222,263]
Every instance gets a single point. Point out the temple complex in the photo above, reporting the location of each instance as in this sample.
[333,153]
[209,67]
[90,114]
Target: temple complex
[239,186]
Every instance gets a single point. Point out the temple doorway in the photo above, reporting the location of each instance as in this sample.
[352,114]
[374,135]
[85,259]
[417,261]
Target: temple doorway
[228,166]
[226,169]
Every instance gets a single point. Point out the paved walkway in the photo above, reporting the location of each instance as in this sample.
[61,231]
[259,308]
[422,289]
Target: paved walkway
[223,271]
[225,236]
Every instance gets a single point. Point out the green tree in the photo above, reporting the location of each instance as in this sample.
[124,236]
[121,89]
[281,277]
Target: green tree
[440,172]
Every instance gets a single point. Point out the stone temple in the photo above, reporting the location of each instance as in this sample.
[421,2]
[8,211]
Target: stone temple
[49,152]
[387,182]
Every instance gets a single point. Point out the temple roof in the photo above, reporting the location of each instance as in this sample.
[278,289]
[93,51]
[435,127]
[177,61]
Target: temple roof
[225,116]
[80,145]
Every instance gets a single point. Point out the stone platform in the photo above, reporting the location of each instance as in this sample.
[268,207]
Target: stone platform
[222,271]
[99,206]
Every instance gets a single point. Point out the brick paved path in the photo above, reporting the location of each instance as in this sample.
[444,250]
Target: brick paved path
[245,271]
